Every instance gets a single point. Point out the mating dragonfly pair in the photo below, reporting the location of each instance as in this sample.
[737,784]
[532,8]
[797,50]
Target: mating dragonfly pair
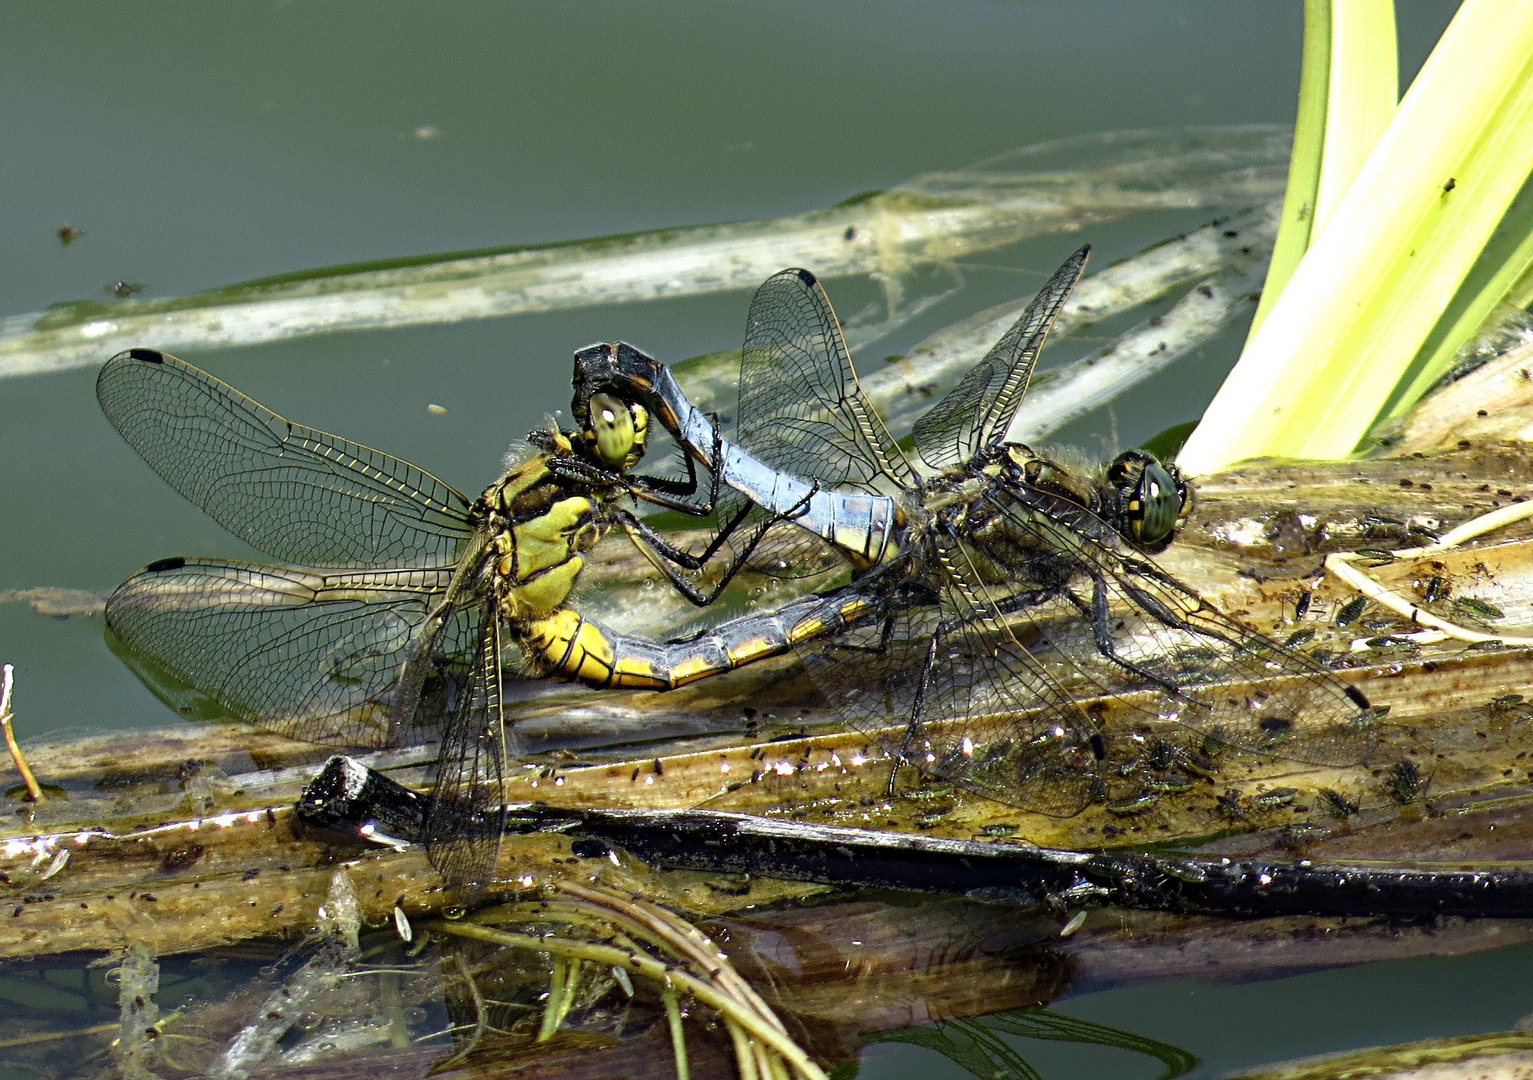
[988,594]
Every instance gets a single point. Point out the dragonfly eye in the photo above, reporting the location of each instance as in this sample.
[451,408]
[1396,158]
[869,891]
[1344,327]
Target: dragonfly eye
[1153,499]
[614,432]
[1163,500]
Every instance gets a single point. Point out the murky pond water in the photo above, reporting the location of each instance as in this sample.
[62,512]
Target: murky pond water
[196,147]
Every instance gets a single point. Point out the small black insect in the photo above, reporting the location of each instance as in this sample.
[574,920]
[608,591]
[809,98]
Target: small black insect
[1337,804]
[1299,638]
[1404,784]
[1351,611]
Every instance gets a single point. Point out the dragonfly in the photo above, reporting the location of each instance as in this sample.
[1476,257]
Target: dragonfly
[400,602]
[998,586]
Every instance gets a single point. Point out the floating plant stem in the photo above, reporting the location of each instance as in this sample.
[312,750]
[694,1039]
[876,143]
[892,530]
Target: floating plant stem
[678,1037]
[7,684]
[696,968]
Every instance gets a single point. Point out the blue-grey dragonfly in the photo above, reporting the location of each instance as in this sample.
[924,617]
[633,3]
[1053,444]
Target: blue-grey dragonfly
[996,588]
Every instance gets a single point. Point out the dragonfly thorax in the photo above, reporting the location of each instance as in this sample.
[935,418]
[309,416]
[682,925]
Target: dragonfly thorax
[1027,466]
[536,526]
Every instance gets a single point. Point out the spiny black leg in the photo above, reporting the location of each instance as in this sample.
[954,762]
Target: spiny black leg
[1101,629]
[672,556]
[1010,605]
[884,637]
[669,557]
[1167,617]
[663,491]
[913,728]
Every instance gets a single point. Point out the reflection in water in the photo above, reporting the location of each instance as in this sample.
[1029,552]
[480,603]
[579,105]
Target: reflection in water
[585,987]
[575,971]
[977,1045]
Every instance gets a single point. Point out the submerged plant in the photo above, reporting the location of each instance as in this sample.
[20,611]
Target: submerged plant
[598,944]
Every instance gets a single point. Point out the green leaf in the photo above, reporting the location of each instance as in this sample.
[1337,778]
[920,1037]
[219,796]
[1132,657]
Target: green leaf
[1367,297]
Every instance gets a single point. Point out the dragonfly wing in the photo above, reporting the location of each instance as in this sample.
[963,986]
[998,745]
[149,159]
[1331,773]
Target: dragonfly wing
[296,493]
[314,655]
[801,411]
[976,413]
[801,408]
[467,814]
[942,683]
[1213,674]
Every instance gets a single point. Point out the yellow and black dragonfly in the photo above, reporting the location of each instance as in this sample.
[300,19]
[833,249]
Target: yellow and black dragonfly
[402,603]
[998,586]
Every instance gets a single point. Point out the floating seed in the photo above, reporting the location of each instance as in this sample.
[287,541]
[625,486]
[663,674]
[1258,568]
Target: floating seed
[1077,921]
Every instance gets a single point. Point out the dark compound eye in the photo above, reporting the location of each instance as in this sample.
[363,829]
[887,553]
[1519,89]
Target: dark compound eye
[1161,501]
[1151,497]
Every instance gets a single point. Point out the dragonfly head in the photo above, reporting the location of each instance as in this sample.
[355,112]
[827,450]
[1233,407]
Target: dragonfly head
[613,383]
[1148,502]
[615,431]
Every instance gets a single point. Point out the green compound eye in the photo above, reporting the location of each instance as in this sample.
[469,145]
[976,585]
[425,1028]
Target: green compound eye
[610,431]
[1160,504]
[1151,499]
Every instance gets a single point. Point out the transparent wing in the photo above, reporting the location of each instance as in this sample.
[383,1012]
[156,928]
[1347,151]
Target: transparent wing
[467,814]
[1128,625]
[298,494]
[312,655]
[976,413]
[941,682]
[801,409]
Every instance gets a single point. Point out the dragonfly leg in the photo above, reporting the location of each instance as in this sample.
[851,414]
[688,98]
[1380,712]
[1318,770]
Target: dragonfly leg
[678,494]
[668,557]
[923,684]
[1100,616]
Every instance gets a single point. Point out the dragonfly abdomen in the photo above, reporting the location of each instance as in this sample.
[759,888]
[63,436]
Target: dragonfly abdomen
[567,645]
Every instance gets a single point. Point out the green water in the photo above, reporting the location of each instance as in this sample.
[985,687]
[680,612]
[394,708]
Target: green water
[200,145]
